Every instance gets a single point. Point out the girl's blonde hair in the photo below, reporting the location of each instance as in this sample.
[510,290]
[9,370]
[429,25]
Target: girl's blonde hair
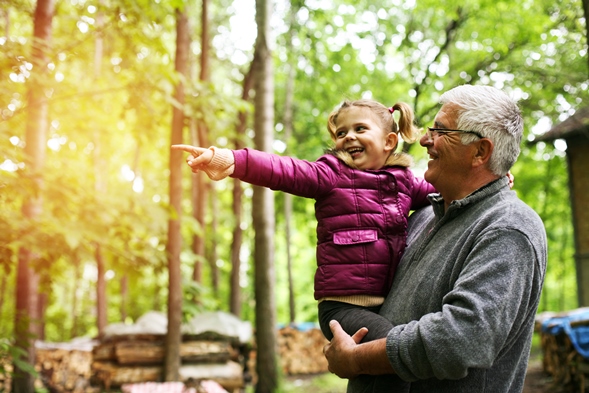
[406,127]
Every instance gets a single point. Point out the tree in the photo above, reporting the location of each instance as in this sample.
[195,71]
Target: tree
[288,127]
[586,14]
[173,337]
[263,209]
[200,138]
[237,194]
[26,314]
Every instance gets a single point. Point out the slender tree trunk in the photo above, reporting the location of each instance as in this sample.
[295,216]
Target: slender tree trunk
[263,210]
[235,288]
[36,138]
[124,294]
[197,191]
[173,337]
[213,255]
[100,187]
[288,127]
[200,189]
[234,279]
[586,13]
[3,281]
[75,286]
[101,320]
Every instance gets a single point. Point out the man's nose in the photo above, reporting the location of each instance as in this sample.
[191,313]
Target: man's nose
[425,140]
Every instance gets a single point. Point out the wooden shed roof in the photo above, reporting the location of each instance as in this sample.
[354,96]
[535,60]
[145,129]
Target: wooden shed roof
[577,124]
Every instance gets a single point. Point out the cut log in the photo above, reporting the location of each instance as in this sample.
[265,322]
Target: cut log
[110,374]
[152,352]
[229,375]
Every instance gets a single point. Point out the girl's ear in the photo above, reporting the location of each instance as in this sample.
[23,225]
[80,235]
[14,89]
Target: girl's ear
[391,141]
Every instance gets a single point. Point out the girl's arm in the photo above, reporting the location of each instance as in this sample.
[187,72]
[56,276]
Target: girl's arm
[291,175]
[421,189]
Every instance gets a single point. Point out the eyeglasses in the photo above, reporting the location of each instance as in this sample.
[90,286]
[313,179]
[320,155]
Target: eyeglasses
[432,132]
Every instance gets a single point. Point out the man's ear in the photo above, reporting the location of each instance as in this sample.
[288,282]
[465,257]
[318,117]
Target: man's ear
[391,141]
[483,152]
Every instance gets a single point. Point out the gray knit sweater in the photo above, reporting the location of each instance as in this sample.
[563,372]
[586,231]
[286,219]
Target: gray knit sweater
[465,296]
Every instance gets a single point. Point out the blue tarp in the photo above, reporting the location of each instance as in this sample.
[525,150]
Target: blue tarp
[579,335]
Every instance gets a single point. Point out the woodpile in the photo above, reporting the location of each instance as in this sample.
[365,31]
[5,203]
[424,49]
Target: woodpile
[64,367]
[561,359]
[133,359]
[301,352]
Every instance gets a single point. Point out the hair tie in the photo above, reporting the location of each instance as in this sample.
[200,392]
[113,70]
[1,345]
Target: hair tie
[391,109]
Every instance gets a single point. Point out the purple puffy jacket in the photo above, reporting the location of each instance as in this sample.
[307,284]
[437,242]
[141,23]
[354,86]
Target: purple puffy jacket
[361,214]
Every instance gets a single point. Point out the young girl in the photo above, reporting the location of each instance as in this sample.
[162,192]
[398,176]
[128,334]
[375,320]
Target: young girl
[363,192]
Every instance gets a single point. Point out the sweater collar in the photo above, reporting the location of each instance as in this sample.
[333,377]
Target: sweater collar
[479,194]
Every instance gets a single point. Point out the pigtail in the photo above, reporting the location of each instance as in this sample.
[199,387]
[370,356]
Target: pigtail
[409,132]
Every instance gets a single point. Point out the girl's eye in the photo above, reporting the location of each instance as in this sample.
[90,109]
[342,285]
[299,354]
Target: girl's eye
[360,128]
[340,134]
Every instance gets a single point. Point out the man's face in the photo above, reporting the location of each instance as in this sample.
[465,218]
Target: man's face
[450,160]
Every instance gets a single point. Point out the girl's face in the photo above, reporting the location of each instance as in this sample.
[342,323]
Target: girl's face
[359,132]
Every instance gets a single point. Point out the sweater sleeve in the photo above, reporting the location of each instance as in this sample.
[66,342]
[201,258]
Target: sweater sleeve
[287,174]
[221,165]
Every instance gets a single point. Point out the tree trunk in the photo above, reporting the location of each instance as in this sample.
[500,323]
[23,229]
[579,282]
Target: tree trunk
[288,127]
[36,138]
[101,319]
[100,187]
[586,14]
[263,210]
[197,193]
[173,337]
[75,286]
[235,288]
[200,189]
[124,294]
[213,255]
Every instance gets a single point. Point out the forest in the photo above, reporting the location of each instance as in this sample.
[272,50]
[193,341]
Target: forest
[100,222]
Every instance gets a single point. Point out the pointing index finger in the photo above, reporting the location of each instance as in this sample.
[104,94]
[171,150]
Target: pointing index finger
[186,148]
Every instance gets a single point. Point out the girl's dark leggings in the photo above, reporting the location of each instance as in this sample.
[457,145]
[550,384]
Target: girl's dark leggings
[352,318]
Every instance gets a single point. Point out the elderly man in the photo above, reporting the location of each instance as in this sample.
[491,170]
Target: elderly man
[467,289]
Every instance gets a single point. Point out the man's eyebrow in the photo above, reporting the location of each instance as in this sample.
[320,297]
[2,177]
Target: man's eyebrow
[439,124]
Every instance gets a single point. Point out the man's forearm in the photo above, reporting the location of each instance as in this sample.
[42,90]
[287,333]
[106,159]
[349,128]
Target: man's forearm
[371,358]
[348,359]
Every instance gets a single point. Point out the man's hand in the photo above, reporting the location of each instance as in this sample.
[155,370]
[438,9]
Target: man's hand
[199,157]
[340,352]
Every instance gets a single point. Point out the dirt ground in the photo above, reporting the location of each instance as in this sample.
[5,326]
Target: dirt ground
[539,382]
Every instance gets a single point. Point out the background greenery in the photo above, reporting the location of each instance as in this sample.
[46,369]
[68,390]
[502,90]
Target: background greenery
[111,126]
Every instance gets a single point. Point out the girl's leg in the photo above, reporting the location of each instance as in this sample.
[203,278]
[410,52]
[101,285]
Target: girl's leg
[352,318]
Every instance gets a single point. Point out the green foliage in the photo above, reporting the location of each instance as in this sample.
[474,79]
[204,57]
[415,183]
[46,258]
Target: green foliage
[9,353]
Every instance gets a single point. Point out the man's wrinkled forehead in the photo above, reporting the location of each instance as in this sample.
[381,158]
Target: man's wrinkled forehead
[447,116]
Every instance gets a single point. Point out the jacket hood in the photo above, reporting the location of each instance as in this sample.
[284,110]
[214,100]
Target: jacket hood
[394,159]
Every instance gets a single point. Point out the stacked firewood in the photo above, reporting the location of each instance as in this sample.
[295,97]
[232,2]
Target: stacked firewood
[131,358]
[64,367]
[128,359]
[301,352]
[560,358]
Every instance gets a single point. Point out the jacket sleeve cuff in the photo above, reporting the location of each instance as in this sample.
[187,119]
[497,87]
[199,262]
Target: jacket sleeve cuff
[222,164]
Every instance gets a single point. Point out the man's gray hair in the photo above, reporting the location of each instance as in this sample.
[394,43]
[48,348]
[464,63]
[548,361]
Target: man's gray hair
[495,115]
